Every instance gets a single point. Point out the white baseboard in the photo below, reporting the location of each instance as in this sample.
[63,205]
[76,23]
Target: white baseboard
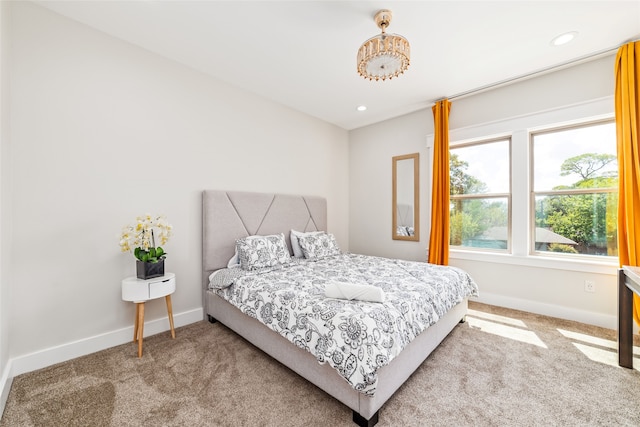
[5,386]
[51,356]
[582,316]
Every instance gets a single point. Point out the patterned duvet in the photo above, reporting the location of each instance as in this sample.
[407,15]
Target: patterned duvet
[354,337]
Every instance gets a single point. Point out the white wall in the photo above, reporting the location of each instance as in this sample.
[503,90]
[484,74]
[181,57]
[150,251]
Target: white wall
[552,288]
[102,131]
[5,236]
[370,213]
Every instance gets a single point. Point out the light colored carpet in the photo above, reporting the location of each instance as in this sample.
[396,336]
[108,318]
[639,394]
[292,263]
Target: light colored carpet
[501,368]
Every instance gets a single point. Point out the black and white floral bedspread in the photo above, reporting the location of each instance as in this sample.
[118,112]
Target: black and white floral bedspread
[356,338]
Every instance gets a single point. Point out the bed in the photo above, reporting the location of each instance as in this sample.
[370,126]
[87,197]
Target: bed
[231,215]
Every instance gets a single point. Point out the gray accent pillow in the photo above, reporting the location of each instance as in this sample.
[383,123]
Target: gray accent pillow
[225,277]
[257,252]
[318,246]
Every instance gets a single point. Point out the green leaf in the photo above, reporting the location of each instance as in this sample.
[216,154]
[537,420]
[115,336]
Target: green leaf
[152,252]
[159,252]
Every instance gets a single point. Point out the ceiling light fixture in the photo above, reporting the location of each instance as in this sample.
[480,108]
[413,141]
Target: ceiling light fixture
[361,108]
[564,38]
[384,56]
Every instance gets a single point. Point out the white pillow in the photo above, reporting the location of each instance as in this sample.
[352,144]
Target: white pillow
[319,246]
[235,259]
[295,245]
[262,251]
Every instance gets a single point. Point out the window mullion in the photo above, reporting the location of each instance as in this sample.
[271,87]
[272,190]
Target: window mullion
[520,193]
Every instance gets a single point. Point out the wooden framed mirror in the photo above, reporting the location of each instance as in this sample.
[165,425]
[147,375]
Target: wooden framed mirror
[406,197]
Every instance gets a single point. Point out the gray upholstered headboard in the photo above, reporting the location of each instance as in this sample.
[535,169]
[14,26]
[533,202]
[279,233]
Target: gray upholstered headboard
[230,215]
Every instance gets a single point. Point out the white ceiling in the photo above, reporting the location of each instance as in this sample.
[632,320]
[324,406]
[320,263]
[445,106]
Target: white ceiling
[303,53]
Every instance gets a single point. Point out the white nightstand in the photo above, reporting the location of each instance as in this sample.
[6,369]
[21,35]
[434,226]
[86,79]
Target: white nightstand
[140,291]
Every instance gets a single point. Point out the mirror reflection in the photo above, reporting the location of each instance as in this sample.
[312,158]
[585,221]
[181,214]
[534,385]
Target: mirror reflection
[405,202]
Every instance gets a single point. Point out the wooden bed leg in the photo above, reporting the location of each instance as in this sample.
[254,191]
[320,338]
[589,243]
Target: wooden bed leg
[211,319]
[363,422]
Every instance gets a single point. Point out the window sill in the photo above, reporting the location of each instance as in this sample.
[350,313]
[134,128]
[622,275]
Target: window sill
[608,266]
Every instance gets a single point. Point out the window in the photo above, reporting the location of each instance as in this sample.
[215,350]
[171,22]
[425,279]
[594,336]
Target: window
[480,194]
[528,191]
[574,198]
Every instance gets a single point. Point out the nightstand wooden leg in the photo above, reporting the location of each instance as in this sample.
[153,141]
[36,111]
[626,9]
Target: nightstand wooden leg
[140,324]
[170,312]
[135,324]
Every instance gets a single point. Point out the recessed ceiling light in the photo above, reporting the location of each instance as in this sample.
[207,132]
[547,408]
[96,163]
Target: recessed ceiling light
[361,107]
[564,38]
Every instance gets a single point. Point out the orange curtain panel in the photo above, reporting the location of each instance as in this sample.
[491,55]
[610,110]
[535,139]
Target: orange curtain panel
[627,100]
[439,236]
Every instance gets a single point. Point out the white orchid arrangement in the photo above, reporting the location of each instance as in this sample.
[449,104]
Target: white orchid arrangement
[142,237]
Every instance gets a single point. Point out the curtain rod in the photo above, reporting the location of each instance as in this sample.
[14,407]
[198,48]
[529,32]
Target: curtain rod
[585,58]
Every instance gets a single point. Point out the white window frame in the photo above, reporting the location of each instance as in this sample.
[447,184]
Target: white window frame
[547,130]
[518,129]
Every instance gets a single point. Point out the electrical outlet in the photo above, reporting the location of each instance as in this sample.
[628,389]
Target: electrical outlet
[589,286]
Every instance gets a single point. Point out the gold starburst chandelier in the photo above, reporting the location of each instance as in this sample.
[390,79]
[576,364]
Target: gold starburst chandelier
[384,56]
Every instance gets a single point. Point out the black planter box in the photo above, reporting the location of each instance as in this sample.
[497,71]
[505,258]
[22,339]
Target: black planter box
[149,270]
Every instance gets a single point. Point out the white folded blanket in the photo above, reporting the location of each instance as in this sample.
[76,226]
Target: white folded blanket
[351,291]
